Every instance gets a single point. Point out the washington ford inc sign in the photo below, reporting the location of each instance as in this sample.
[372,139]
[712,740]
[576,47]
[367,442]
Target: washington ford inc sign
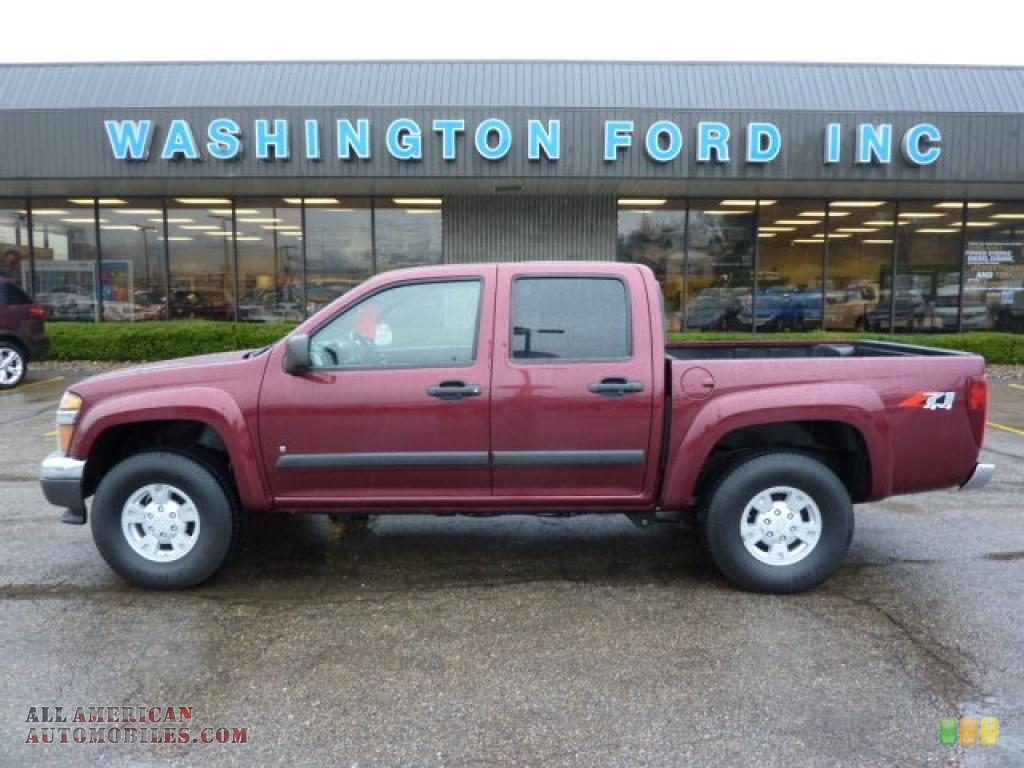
[662,141]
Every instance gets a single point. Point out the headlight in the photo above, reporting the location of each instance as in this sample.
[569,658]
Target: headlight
[67,414]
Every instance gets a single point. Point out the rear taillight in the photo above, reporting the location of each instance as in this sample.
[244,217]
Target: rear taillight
[37,312]
[977,394]
[977,405]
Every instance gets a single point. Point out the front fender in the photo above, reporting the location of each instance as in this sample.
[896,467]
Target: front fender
[208,405]
[703,425]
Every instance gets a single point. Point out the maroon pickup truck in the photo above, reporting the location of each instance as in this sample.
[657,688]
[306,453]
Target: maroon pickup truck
[516,388]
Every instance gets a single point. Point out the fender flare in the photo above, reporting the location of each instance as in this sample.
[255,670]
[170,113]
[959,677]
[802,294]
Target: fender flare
[212,407]
[854,405]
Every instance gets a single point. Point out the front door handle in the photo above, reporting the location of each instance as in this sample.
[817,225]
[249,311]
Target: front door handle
[615,386]
[454,390]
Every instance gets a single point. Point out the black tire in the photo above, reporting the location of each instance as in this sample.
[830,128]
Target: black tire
[11,352]
[721,514]
[219,519]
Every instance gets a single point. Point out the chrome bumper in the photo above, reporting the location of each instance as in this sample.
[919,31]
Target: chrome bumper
[61,479]
[982,474]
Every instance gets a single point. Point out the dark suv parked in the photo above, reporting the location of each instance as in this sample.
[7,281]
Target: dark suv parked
[22,334]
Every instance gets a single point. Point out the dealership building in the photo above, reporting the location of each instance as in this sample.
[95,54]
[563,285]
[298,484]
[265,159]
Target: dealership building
[763,196]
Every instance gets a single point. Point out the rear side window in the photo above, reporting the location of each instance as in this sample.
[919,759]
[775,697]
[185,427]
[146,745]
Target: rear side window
[570,319]
[12,294]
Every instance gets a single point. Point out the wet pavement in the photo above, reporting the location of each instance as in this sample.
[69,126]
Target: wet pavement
[518,641]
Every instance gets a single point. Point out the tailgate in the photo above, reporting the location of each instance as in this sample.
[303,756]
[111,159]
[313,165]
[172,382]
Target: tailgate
[937,419]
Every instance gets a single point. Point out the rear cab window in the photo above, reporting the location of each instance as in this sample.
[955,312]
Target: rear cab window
[570,320]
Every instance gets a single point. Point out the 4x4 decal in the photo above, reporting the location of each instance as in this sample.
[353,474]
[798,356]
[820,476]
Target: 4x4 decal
[930,401]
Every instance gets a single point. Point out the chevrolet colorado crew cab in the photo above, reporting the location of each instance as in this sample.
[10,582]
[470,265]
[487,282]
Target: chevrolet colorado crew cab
[515,388]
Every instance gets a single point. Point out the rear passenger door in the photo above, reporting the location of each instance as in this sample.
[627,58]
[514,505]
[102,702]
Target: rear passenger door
[572,386]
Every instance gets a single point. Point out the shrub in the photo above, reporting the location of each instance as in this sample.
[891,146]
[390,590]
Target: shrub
[156,340]
[121,342]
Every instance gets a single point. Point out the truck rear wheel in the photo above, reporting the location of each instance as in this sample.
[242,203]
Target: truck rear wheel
[778,523]
[164,520]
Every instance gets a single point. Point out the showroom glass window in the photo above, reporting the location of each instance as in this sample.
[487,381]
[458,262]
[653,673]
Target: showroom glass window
[719,264]
[860,251]
[132,269]
[64,244]
[269,237]
[201,253]
[407,232]
[15,262]
[339,247]
[791,255]
[994,254]
[928,257]
[653,232]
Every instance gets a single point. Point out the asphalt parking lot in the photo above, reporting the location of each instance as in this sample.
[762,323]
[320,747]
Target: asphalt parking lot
[519,641]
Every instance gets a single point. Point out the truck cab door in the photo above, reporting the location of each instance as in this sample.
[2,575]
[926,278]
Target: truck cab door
[573,386]
[396,406]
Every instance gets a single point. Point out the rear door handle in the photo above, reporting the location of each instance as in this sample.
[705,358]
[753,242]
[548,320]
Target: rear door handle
[454,390]
[615,387]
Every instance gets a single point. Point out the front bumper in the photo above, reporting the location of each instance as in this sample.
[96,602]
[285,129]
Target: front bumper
[61,479]
[982,474]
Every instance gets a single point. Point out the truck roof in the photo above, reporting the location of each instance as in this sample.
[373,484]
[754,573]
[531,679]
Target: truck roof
[554,266]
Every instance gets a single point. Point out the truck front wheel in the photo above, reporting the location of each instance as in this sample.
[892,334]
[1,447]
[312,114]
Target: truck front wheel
[777,523]
[164,520]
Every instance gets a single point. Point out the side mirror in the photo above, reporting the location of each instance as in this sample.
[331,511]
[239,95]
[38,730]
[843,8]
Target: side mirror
[297,358]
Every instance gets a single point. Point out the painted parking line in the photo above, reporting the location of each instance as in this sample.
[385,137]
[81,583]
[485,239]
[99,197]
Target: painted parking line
[1018,386]
[1005,428]
[31,384]
[51,433]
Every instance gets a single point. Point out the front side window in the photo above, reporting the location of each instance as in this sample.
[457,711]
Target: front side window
[570,319]
[417,325]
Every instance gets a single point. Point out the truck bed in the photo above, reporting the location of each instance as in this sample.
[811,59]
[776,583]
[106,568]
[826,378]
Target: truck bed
[754,350]
[902,399]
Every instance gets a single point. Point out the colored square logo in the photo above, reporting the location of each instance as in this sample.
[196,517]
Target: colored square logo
[989,731]
[968,731]
[948,728]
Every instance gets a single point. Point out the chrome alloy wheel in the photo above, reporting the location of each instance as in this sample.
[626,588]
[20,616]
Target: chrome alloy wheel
[12,366]
[781,525]
[160,523]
